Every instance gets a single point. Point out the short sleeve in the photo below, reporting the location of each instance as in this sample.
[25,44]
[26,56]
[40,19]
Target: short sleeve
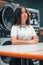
[14,31]
[33,31]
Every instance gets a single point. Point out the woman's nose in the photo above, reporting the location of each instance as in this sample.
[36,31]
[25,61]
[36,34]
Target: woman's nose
[25,14]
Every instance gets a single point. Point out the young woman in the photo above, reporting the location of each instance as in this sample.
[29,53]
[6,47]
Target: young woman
[22,33]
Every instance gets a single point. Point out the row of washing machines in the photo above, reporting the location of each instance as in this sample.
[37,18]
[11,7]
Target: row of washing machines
[6,20]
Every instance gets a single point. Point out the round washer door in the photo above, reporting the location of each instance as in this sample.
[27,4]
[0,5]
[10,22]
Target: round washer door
[6,59]
[8,17]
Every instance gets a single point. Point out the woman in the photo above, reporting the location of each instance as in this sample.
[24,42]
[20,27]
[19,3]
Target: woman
[22,33]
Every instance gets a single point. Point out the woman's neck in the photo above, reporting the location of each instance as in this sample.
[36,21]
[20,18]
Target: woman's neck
[23,25]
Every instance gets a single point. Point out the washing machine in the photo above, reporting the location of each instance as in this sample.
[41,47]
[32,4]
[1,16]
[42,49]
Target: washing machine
[7,14]
[6,18]
[4,60]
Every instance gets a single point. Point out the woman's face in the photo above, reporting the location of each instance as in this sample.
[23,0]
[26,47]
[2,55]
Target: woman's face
[23,16]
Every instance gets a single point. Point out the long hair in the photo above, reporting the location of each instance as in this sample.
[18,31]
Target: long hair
[17,16]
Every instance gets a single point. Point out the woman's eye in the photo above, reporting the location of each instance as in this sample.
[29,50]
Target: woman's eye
[23,12]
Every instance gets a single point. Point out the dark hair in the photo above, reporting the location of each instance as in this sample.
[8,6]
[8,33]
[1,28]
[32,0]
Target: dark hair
[17,16]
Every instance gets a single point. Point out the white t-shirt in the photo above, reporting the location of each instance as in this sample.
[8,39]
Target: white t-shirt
[23,33]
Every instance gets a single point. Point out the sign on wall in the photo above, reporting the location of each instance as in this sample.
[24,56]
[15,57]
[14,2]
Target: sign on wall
[34,18]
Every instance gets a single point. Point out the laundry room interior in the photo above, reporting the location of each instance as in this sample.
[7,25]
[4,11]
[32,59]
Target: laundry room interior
[7,9]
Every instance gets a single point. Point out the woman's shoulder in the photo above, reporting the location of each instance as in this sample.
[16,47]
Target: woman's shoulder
[14,26]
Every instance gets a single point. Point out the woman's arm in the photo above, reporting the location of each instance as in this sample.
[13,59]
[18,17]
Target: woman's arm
[34,40]
[14,40]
